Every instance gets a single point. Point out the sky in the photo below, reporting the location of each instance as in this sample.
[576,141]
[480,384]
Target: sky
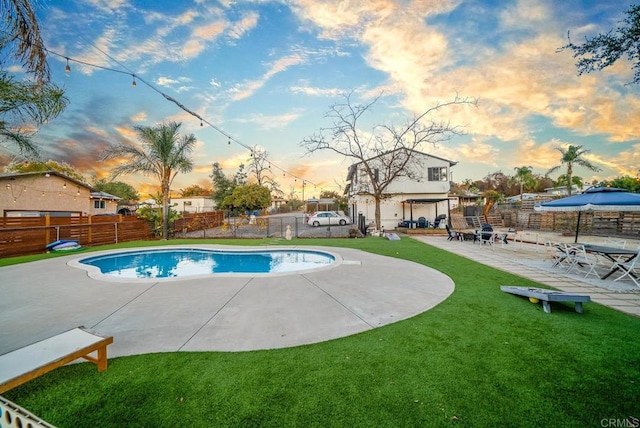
[265,73]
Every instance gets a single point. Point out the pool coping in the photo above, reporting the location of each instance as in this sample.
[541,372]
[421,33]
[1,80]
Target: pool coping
[95,273]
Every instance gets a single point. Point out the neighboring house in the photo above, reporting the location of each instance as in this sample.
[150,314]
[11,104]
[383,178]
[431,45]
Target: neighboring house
[405,199]
[193,204]
[36,194]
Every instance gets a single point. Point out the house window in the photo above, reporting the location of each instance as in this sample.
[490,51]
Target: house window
[99,204]
[438,173]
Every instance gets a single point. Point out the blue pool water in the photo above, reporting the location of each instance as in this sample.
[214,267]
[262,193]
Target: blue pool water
[188,262]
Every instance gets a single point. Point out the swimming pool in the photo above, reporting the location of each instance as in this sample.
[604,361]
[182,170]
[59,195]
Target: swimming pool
[189,262]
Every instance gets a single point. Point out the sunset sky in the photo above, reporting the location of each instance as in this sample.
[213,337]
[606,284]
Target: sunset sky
[265,72]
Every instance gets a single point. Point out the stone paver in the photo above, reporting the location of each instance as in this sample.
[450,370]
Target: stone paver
[511,258]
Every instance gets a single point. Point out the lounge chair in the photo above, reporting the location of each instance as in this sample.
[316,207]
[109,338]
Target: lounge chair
[24,364]
[422,223]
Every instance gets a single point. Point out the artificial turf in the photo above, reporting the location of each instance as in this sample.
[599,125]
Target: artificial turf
[480,358]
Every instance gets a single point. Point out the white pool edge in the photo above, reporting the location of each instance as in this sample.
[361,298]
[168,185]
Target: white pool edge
[94,272]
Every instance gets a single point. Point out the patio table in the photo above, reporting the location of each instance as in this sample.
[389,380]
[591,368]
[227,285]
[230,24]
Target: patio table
[610,253]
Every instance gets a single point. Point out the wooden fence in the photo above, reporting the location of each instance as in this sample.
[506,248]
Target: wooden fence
[20,235]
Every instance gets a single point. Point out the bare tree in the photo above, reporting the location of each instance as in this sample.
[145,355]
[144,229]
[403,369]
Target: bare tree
[387,152]
[259,167]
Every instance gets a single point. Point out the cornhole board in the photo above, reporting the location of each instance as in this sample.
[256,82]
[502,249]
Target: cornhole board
[24,364]
[547,296]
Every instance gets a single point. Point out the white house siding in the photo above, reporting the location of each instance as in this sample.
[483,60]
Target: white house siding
[401,189]
[194,204]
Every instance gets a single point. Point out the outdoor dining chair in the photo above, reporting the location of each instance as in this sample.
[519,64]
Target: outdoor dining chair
[581,261]
[630,269]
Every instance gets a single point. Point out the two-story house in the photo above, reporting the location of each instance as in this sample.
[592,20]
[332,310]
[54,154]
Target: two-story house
[422,190]
[37,194]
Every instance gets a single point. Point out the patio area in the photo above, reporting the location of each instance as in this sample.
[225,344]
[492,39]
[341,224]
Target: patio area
[217,312]
[527,259]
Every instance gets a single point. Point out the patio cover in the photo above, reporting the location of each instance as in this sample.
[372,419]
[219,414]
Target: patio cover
[594,199]
[412,201]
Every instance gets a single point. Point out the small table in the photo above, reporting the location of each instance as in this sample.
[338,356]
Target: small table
[609,253]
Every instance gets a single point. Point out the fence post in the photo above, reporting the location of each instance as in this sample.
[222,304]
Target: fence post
[89,237]
[47,233]
[116,226]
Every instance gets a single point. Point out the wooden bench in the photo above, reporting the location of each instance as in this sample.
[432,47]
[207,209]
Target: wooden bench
[24,364]
[547,296]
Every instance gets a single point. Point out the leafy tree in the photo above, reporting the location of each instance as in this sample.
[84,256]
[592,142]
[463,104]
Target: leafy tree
[498,181]
[25,105]
[631,184]
[223,185]
[524,177]
[124,191]
[154,214]
[195,190]
[563,180]
[43,166]
[163,153]
[603,50]
[572,155]
[387,152]
[249,197]
[341,200]
[491,197]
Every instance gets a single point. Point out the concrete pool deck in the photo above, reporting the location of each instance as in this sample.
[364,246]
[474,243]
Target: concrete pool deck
[216,313]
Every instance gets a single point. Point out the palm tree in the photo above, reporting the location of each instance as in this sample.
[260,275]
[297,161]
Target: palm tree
[164,153]
[524,177]
[20,30]
[572,156]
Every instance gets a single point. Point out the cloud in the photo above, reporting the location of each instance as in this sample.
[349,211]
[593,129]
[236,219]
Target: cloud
[316,92]
[270,121]
[248,88]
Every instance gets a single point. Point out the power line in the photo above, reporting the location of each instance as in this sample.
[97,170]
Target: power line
[203,120]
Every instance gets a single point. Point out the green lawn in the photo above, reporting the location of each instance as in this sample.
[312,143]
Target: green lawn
[482,358]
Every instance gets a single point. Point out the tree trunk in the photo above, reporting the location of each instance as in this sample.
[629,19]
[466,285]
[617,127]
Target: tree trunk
[165,211]
[377,199]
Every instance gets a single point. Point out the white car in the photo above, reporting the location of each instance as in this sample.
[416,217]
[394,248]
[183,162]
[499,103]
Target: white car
[328,218]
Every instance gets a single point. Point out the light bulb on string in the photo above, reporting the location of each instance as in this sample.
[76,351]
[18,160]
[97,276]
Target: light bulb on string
[133,83]
[201,124]
[67,69]
[65,185]
[229,143]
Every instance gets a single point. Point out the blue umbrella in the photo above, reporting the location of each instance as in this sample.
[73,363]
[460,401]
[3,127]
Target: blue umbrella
[594,199]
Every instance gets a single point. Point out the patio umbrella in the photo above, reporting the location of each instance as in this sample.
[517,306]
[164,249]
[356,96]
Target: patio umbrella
[594,199]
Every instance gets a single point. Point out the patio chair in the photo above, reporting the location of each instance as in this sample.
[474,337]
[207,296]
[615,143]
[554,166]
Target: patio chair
[422,223]
[438,220]
[561,255]
[630,269]
[453,235]
[579,259]
[487,236]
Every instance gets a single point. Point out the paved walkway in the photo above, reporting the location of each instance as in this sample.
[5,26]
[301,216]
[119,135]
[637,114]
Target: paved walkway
[216,312]
[527,260]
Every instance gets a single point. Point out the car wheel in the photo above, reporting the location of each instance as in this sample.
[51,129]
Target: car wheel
[316,224]
[343,222]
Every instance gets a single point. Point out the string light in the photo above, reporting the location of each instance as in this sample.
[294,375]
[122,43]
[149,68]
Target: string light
[167,97]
